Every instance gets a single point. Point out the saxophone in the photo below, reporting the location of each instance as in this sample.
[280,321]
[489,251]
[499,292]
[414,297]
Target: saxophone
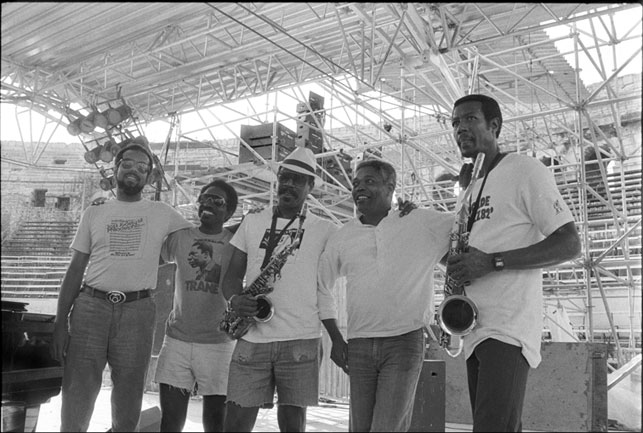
[237,326]
[457,314]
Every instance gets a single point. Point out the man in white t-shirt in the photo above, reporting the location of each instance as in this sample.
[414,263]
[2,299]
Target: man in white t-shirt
[285,351]
[388,263]
[195,352]
[113,316]
[520,225]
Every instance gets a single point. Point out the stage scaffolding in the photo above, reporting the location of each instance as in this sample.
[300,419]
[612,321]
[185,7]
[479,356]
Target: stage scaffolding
[389,74]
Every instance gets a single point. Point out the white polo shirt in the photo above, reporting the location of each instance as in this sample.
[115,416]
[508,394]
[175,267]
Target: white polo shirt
[388,269]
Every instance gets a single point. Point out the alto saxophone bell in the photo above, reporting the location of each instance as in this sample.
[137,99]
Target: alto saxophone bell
[265,310]
[457,315]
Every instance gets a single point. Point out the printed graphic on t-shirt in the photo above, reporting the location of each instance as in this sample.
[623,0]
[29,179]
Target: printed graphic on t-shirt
[206,267]
[484,209]
[125,236]
[287,239]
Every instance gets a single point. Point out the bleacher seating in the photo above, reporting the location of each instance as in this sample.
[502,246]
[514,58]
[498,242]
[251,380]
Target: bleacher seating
[626,190]
[41,238]
[36,256]
[32,276]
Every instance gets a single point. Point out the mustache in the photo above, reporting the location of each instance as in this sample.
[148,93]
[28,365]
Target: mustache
[286,189]
[133,173]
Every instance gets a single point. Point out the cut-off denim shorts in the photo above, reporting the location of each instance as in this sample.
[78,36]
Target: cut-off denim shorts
[292,367]
[182,365]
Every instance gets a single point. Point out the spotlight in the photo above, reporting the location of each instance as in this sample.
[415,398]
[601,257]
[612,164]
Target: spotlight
[107,183]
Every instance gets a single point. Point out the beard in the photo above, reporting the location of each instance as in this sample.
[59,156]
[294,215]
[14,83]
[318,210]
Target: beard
[129,189]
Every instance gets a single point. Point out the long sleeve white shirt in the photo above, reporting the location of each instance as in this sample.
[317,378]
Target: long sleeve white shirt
[388,269]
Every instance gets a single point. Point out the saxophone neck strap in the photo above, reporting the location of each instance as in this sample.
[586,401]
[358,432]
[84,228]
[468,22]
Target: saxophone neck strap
[273,240]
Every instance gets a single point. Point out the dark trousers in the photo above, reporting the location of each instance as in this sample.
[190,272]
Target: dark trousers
[497,375]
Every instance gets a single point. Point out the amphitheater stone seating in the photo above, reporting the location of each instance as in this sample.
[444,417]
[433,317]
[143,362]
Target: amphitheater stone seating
[32,276]
[41,238]
[35,257]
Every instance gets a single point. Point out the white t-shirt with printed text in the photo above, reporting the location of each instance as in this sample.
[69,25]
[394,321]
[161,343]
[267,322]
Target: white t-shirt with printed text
[299,305]
[520,205]
[123,240]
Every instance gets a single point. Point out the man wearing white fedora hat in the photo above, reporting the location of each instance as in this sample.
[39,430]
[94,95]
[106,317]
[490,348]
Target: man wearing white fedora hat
[283,352]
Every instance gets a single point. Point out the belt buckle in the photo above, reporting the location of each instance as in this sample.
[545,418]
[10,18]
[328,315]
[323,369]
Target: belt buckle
[116,297]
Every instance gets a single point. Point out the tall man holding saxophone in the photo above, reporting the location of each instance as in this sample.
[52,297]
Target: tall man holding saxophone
[283,352]
[520,225]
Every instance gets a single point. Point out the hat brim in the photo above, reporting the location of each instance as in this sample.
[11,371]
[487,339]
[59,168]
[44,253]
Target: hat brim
[134,146]
[296,169]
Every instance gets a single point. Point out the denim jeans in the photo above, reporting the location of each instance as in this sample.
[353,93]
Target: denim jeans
[384,372]
[497,375]
[101,333]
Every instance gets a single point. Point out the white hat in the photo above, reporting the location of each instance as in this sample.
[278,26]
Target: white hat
[301,160]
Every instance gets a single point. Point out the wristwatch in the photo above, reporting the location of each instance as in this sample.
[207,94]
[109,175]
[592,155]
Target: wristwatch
[498,262]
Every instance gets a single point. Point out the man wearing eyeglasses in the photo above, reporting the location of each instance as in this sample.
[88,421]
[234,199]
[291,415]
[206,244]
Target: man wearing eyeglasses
[108,290]
[283,353]
[195,353]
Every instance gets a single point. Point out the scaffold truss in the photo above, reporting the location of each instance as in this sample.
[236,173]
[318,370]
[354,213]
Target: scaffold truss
[389,74]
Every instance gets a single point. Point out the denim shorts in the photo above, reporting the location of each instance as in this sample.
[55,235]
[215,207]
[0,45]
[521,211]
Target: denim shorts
[292,367]
[182,364]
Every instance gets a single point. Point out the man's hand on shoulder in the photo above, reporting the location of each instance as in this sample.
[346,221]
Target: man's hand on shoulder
[256,209]
[405,206]
[98,201]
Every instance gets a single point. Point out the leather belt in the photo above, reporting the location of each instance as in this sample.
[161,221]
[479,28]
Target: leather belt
[116,296]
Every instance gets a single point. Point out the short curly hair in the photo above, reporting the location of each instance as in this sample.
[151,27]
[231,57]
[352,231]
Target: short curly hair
[490,108]
[384,168]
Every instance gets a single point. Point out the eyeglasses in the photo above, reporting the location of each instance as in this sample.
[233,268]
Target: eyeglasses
[294,178]
[212,200]
[128,164]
